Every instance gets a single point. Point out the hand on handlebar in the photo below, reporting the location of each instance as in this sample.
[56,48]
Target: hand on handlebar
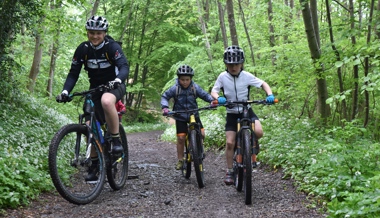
[165,111]
[214,103]
[63,97]
[114,84]
[270,99]
[222,100]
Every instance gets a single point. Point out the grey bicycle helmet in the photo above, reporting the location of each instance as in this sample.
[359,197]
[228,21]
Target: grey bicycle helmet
[234,55]
[97,23]
[185,70]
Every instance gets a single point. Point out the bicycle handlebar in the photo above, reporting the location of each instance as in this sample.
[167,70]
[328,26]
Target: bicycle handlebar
[246,102]
[172,113]
[83,93]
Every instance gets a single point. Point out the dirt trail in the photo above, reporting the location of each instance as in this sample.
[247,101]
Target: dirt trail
[161,191]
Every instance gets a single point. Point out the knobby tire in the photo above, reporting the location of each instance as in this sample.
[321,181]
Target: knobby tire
[117,166]
[195,142]
[247,162]
[68,176]
[186,167]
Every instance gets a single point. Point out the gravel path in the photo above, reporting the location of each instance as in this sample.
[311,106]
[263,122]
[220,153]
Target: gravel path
[160,191]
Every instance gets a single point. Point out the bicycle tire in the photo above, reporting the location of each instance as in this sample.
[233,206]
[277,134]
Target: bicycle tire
[239,173]
[186,166]
[247,163]
[68,175]
[195,142]
[117,166]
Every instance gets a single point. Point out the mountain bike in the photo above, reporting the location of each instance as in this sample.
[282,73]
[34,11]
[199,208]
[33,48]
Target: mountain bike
[246,149]
[194,151]
[70,155]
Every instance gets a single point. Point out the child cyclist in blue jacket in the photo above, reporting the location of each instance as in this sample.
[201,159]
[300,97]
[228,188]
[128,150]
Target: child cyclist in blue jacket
[185,92]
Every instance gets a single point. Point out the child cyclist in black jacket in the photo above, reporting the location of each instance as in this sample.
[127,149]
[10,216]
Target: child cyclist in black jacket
[185,92]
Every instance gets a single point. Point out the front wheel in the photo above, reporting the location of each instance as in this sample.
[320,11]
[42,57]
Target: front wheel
[186,166]
[195,143]
[68,165]
[117,166]
[247,166]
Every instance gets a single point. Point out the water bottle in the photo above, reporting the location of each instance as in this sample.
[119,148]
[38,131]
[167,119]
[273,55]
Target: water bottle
[100,133]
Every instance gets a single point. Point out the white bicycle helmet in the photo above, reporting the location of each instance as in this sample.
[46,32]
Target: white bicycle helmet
[97,23]
[185,70]
[234,55]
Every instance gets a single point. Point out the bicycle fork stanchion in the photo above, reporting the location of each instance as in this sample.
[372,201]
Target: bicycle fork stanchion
[239,157]
[253,141]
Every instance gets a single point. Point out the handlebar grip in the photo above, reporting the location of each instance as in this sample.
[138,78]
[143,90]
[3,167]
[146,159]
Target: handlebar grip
[276,100]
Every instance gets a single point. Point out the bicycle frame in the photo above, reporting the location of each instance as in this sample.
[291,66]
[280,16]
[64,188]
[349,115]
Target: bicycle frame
[194,151]
[81,147]
[246,149]
[245,123]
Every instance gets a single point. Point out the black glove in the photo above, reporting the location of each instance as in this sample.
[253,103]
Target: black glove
[63,97]
[114,84]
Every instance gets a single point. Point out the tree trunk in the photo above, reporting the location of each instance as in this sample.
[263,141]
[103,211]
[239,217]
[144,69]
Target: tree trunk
[272,41]
[54,51]
[128,18]
[343,111]
[231,21]
[35,69]
[130,96]
[366,64]
[204,31]
[378,20]
[223,25]
[355,92]
[95,8]
[322,107]
[247,33]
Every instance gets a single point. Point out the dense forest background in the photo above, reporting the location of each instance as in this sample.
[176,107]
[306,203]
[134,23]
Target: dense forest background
[321,59]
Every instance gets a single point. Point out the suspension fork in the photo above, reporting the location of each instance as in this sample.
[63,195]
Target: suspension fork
[239,157]
[254,141]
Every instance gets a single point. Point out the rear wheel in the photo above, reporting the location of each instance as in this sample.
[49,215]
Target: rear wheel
[68,165]
[117,167]
[247,166]
[196,144]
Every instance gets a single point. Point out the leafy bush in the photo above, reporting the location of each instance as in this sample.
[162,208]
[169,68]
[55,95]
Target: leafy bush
[25,133]
[141,116]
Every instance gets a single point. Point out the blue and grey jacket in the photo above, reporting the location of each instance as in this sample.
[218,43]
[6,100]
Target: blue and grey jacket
[185,99]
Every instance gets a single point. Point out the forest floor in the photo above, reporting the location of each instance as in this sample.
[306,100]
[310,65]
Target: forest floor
[156,189]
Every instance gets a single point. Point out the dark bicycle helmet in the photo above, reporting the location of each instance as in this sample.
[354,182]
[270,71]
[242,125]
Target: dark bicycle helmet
[97,23]
[234,55]
[185,70]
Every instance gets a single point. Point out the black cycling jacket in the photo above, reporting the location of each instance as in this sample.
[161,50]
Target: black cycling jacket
[100,70]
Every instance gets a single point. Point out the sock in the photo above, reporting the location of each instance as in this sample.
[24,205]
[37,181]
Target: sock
[115,135]
[230,170]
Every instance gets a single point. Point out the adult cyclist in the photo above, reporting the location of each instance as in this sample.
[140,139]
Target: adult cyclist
[106,64]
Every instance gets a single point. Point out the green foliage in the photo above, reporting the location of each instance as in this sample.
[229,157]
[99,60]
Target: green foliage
[25,137]
[140,116]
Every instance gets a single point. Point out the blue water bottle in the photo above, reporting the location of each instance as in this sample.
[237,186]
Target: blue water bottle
[99,132]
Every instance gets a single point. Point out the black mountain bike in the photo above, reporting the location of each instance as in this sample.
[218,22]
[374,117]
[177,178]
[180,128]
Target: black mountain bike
[70,150]
[194,151]
[246,148]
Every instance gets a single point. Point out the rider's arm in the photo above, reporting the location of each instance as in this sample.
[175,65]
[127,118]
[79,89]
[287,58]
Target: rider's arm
[205,96]
[76,66]
[217,87]
[120,59]
[267,88]
[166,96]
